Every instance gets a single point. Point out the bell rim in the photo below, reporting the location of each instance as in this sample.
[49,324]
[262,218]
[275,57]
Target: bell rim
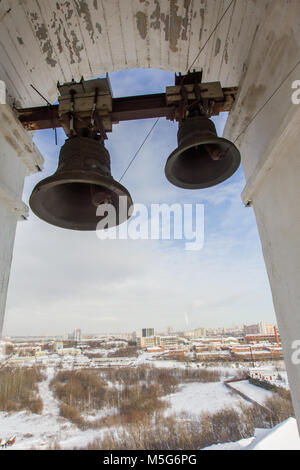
[192,142]
[106,182]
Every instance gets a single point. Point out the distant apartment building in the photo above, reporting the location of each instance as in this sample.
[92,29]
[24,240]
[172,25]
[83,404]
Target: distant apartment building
[77,334]
[147,332]
[251,329]
[256,352]
[68,352]
[148,341]
[171,342]
[122,336]
[266,328]
[214,331]
[199,332]
[261,328]
[258,338]
[234,331]
[135,335]
[193,334]
[165,342]
[188,334]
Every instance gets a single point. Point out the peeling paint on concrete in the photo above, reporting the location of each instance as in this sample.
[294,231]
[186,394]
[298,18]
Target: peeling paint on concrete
[218,46]
[68,12]
[57,27]
[70,32]
[141,23]
[155,15]
[175,26]
[41,33]
[84,12]
[226,57]
[67,43]
[67,37]
[98,26]
[185,20]
[202,13]
[77,47]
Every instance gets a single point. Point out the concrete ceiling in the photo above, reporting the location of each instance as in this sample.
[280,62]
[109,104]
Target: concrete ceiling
[42,41]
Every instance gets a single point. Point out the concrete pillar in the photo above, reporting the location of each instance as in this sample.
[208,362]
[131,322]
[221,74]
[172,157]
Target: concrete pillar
[266,127]
[18,158]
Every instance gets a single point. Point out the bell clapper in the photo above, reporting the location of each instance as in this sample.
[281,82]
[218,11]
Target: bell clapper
[99,196]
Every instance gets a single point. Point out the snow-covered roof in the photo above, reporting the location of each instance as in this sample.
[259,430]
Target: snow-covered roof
[284,436]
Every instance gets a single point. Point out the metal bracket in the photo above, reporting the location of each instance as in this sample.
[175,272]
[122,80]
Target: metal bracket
[86,105]
[187,96]
[95,108]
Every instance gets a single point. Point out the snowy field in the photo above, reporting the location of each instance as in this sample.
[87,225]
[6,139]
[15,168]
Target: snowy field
[255,393]
[35,431]
[43,431]
[195,398]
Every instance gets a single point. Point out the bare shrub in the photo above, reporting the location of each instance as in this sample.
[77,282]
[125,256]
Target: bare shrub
[84,390]
[72,414]
[241,374]
[140,403]
[19,389]
[129,351]
[167,379]
[163,434]
[173,433]
[223,426]
[36,405]
[279,409]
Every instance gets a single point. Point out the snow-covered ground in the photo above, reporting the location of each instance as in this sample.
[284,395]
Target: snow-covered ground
[195,398]
[35,431]
[255,393]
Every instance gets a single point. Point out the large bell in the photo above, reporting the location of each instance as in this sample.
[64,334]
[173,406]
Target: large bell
[202,159]
[70,197]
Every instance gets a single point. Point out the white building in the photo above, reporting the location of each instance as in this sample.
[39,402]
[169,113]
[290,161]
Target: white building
[171,342]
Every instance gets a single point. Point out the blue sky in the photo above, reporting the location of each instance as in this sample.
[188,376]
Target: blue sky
[63,279]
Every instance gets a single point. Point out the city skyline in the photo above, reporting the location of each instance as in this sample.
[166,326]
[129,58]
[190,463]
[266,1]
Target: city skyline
[168,330]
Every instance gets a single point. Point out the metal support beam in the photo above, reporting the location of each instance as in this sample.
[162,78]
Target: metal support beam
[123,109]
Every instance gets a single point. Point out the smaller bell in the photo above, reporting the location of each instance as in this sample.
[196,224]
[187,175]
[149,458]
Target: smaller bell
[202,159]
[82,182]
